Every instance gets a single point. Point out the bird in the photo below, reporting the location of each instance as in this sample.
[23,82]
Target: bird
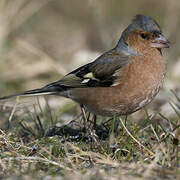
[120,81]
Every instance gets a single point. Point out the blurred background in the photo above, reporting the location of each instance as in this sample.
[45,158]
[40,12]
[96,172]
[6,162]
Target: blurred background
[42,40]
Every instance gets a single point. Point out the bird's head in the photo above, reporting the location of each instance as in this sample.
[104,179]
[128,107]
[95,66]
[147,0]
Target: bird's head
[144,32]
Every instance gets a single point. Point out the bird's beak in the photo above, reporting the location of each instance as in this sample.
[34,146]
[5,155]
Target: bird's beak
[160,42]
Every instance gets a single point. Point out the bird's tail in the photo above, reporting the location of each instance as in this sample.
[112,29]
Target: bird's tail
[53,88]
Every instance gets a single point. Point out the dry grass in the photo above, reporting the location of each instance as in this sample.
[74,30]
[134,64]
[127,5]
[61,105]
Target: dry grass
[148,150]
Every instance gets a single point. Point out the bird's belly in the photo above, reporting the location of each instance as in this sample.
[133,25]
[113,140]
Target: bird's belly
[113,100]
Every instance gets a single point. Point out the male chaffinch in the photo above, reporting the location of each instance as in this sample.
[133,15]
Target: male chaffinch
[120,81]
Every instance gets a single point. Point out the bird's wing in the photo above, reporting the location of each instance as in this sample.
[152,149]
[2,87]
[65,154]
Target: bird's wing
[105,71]
[100,73]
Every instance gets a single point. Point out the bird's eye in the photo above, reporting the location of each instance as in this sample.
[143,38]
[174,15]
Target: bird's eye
[144,36]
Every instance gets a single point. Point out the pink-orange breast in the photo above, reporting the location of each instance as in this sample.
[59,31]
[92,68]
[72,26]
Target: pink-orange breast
[138,85]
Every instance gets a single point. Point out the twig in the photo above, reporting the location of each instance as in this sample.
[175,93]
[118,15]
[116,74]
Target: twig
[155,133]
[35,159]
[14,109]
[149,151]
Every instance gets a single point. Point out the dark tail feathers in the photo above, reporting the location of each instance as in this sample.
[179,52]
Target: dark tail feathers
[52,88]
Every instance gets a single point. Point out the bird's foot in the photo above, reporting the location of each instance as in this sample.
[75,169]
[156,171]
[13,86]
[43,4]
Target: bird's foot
[93,137]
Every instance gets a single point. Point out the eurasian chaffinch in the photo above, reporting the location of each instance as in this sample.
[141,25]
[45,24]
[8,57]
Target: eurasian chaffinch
[120,81]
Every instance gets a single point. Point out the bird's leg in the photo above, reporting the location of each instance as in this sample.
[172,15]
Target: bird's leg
[93,130]
[94,122]
[91,133]
[125,120]
[116,125]
[84,118]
